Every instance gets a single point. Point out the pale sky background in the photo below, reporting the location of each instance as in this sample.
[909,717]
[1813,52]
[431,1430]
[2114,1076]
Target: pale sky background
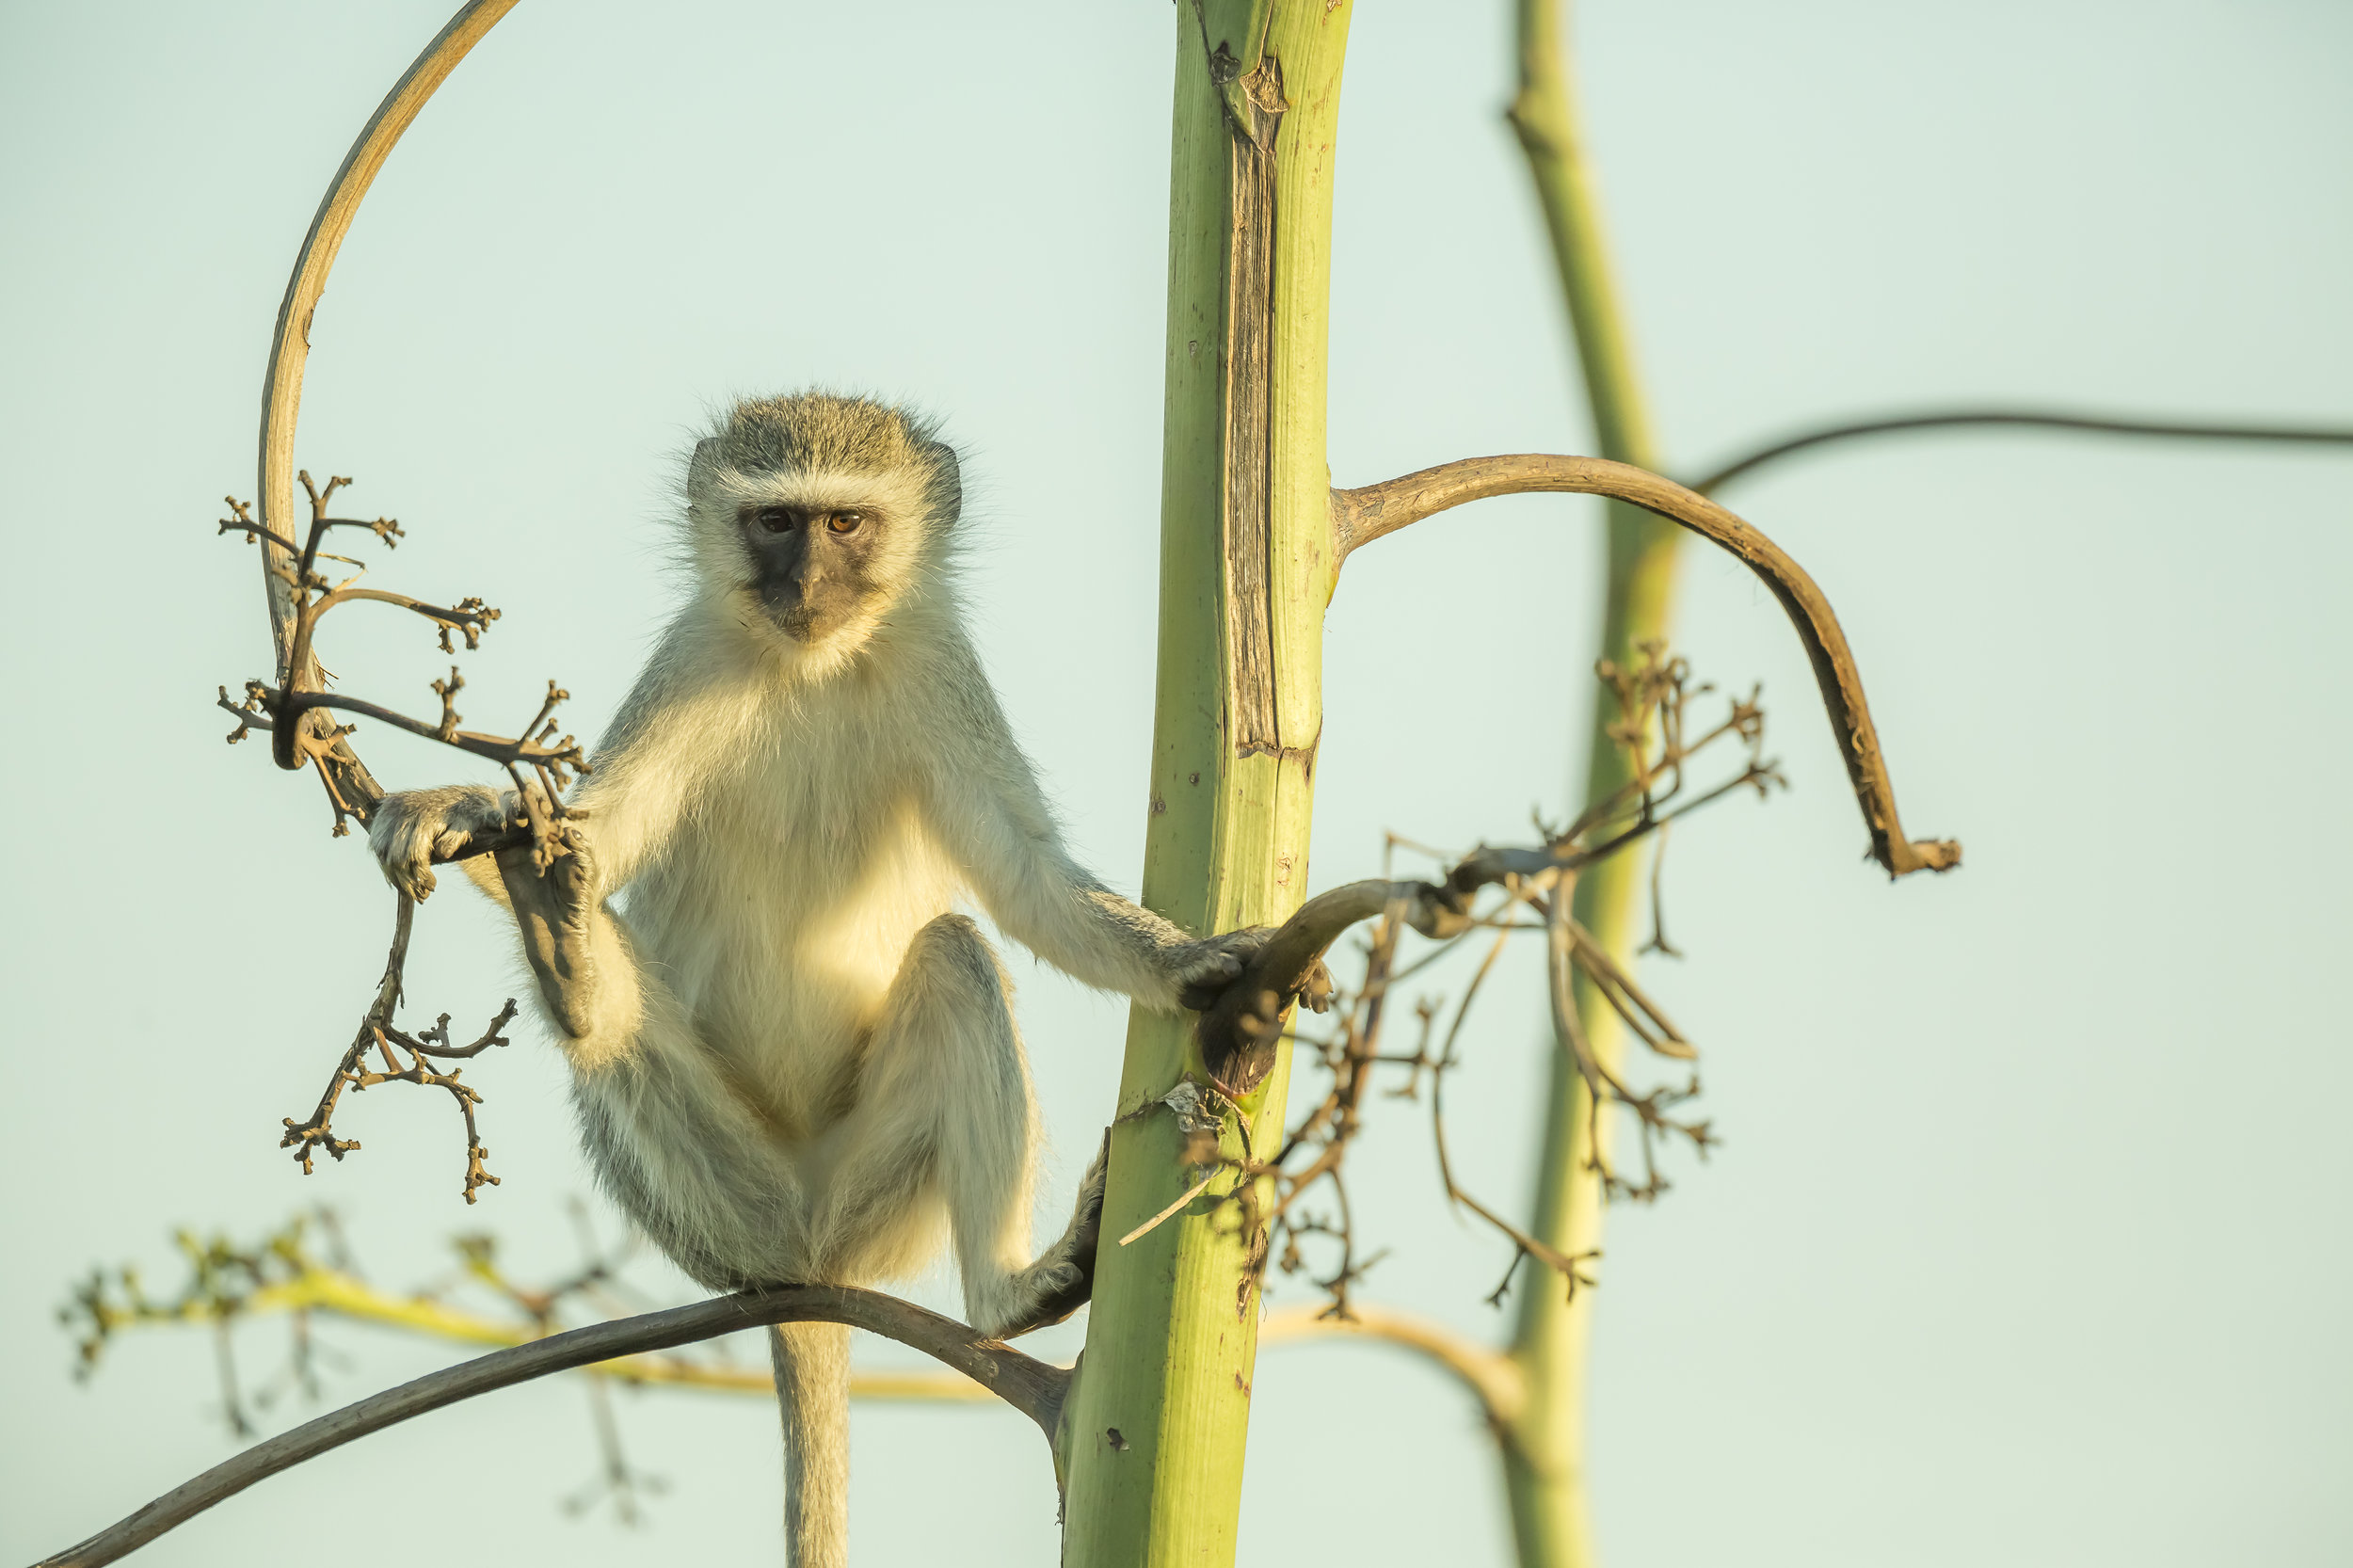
[2029,1241]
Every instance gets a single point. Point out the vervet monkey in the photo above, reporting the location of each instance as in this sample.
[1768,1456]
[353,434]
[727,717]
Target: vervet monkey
[791,1058]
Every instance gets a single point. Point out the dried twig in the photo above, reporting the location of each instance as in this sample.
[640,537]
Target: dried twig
[1240,1032]
[378,1033]
[285,710]
[296,716]
[1239,1036]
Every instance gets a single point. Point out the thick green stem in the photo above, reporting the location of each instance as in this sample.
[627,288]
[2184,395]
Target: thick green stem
[1545,1453]
[1153,1435]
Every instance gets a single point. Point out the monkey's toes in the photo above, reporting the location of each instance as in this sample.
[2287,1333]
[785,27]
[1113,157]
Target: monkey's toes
[1063,1288]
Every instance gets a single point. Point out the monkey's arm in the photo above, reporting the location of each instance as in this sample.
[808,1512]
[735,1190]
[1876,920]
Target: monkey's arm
[677,727]
[674,729]
[987,810]
[684,720]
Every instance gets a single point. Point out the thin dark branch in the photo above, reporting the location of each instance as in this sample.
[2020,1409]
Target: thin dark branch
[376,1031]
[1032,1387]
[496,749]
[1523,1244]
[254,531]
[1447,1059]
[1240,1033]
[2024,419]
[1361,515]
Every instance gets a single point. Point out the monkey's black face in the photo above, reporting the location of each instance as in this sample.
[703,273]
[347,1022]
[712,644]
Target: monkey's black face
[810,566]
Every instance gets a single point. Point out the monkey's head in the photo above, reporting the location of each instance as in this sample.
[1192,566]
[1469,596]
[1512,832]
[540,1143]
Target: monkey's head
[820,519]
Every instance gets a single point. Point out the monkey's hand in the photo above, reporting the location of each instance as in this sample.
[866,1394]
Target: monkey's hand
[554,912]
[1202,970]
[409,827]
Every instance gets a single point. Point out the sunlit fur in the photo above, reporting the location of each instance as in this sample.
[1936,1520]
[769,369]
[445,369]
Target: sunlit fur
[793,1059]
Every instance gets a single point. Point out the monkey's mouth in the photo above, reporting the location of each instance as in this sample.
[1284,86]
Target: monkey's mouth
[803,617]
[795,620]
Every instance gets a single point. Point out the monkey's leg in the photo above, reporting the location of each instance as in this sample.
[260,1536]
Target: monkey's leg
[562,932]
[944,1100]
[674,1143]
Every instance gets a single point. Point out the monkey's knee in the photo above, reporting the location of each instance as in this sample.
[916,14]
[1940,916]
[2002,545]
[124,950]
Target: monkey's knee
[950,951]
[950,988]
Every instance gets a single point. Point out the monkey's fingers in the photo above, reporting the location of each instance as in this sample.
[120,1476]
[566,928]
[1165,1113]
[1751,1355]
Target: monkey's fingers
[411,874]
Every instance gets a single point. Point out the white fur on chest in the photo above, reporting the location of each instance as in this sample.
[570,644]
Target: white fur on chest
[780,910]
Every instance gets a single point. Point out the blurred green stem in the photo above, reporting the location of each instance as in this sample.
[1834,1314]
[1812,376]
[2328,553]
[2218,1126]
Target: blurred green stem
[1544,1450]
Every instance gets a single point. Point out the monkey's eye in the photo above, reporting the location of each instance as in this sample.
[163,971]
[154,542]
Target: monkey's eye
[845,523]
[772,519]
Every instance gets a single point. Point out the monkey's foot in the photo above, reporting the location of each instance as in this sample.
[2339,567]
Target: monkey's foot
[554,911]
[1063,1281]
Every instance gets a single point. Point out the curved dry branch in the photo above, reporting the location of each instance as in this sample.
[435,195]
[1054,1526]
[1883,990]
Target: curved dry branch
[1488,1375]
[353,791]
[1031,1387]
[2102,424]
[1361,515]
[290,347]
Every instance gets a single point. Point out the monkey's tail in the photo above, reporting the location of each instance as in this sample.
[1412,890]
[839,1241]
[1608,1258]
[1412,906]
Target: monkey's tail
[813,1363]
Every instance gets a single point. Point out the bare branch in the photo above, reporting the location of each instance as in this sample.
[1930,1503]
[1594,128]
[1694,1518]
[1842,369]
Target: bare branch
[377,1032]
[290,344]
[560,755]
[1604,1087]
[1361,515]
[2105,425]
[1031,1387]
[1240,1032]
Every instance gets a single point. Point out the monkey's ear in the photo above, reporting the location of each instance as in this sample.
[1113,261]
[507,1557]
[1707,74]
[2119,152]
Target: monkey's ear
[704,465]
[947,481]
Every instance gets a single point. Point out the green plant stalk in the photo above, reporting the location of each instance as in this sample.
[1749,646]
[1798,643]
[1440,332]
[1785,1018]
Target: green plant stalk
[1152,1440]
[1544,1452]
